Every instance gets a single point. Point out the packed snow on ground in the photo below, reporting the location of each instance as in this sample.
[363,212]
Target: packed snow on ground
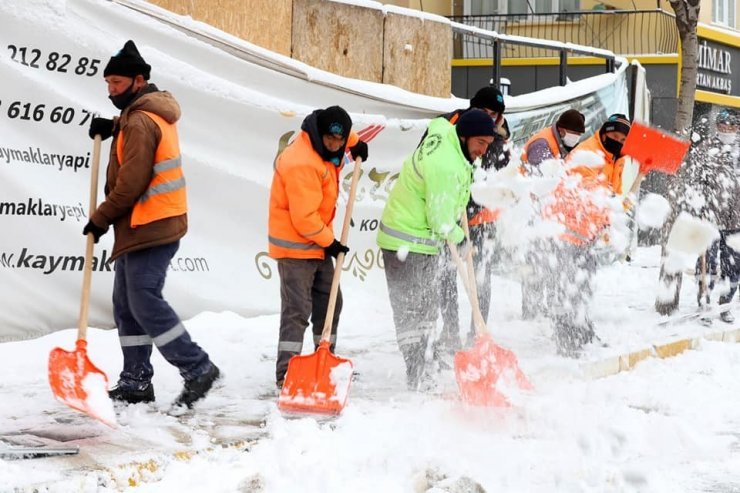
[669,425]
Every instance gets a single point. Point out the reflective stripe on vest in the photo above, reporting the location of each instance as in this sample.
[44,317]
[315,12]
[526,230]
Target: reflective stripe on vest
[400,235]
[166,194]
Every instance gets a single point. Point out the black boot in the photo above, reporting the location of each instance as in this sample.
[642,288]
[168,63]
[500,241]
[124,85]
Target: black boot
[197,389]
[131,395]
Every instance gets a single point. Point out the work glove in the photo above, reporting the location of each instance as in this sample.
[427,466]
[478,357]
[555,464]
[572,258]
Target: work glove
[359,150]
[93,228]
[336,248]
[102,127]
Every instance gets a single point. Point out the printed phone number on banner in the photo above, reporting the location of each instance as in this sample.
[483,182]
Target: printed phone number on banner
[22,110]
[54,61]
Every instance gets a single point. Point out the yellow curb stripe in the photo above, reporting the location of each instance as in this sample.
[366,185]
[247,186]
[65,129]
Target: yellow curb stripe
[146,471]
[626,362]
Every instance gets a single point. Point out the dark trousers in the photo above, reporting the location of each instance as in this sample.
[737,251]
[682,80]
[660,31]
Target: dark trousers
[572,293]
[729,264]
[144,318]
[304,292]
[413,291]
[482,238]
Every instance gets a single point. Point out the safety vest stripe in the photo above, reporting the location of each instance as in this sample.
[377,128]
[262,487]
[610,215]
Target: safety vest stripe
[293,244]
[167,165]
[407,237]
[131,341]
[169,186]
[291,347]
[169,335]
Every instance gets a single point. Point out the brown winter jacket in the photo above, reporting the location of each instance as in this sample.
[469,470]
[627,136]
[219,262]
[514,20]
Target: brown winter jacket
[127,181]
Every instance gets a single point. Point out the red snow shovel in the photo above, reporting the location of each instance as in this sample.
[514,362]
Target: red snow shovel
[319,383]
[73,378]
[479,370]
[655,150]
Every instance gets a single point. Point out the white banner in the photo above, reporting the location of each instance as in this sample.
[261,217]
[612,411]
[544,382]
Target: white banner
[239,106]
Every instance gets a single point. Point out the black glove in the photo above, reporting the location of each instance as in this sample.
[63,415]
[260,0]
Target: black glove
[93,228]
[359,150]
[102,127]
[336,248]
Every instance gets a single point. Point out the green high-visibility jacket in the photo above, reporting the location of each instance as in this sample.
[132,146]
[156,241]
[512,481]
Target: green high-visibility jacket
[428,199]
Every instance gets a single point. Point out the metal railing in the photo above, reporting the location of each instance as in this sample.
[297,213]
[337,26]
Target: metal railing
[496,44]
[624,32]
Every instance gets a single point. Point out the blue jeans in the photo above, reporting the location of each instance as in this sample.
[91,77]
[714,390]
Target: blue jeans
[144,318]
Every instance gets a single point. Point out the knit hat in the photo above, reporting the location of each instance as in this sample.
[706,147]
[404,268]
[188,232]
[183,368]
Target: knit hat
[728,116]
[572,120]
[334,120]
[474,123]
[127,63]
[616,123]
[489,98]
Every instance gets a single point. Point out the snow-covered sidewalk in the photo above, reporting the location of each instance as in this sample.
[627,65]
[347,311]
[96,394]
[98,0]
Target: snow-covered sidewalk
[668,425]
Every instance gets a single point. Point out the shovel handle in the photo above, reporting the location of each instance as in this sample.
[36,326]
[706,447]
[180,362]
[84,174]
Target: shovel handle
[87,269]
[326,332]
[468,279]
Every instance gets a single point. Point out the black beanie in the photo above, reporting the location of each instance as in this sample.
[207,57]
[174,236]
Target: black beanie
[334,120]
[475,123]
[572,120]
[489,98]
[127,63]
[616,123]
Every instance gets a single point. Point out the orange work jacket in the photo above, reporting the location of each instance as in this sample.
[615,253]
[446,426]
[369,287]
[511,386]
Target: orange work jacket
[610,174]
[548,134]
[166,195]
[303,199]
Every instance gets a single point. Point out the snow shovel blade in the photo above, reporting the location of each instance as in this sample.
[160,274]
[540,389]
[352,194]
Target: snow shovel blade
[654,149]
[76,382]
[479,370]
[316,383]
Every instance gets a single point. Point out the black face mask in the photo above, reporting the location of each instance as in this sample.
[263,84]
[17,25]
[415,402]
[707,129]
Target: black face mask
[124,99]
[613,146]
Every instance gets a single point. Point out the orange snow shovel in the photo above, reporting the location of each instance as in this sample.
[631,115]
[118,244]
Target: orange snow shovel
[479,370]
[319,383]
[74,380]
[655,150]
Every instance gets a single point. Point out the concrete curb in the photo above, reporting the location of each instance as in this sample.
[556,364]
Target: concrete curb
[627,361]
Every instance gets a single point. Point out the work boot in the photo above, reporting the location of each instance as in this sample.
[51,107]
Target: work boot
[727,317]
[197,389]
[132,395]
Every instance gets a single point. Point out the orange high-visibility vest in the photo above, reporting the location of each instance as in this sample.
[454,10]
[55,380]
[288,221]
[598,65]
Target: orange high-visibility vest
[166,195]
[548,134]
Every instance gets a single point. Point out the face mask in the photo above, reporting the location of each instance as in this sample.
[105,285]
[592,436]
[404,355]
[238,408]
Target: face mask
[570,140]
[122,100]
[613,146]
[727,138]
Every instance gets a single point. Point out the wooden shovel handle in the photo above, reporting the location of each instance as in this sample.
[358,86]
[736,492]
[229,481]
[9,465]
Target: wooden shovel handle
[87,269]
[468,279]
[326,332]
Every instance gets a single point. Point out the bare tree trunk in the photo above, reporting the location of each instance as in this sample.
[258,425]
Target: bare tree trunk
[687,16]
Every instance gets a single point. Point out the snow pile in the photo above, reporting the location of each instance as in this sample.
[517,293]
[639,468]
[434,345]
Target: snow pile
[98,402]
